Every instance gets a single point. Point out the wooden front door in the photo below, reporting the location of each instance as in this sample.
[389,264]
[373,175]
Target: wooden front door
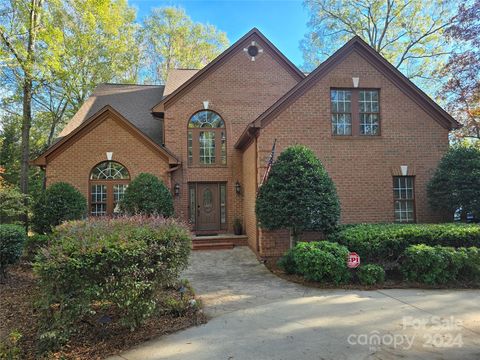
[208,207]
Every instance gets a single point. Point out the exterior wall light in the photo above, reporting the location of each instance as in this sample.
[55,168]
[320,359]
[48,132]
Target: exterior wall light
[176,189]
[238,188]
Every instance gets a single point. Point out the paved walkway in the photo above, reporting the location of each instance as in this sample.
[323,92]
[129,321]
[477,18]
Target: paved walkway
[255,315]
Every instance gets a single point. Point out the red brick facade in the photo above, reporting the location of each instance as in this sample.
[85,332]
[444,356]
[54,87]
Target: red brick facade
[240,91]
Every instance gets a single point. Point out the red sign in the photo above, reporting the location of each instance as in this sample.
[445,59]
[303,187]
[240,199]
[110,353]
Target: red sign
[353,260]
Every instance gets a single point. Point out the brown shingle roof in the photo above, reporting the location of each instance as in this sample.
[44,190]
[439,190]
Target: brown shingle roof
[176,78]
[132,101]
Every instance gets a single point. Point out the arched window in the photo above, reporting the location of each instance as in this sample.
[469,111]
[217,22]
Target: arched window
[108,181]
[207,139]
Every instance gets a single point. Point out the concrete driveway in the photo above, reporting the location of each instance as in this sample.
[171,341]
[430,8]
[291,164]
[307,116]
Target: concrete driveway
[256,315]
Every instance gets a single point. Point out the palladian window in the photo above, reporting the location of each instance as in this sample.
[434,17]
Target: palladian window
[108,182]
[206,139]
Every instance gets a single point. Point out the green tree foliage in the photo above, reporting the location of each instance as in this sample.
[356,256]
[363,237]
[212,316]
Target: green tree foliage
[13,204]
[298,195]
[12,238]
[462,90]
[173,40]
[456,182]
[409,34]
[60,202]
[147,195]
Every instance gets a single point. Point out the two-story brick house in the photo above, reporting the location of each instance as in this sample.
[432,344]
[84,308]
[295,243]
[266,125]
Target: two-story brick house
[208,134]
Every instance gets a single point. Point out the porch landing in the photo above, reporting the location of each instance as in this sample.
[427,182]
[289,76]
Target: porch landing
[218,242]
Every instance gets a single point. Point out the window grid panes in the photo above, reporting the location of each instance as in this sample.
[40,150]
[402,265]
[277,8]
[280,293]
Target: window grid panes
[223,210]
[207,147]
[369,112]
[341,104]
[98,200]
[108,170]
[404,197]
[206,139]
[118,192]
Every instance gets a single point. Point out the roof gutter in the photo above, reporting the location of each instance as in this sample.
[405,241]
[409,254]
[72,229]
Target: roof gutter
[250,133]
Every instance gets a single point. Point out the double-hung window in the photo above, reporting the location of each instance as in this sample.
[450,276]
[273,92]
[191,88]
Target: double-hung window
[404,199]
[355,112]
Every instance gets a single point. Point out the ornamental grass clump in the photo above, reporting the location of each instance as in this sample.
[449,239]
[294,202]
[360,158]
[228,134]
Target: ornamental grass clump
[113,266]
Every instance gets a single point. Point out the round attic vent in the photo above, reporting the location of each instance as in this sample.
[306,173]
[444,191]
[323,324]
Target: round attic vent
[252,50]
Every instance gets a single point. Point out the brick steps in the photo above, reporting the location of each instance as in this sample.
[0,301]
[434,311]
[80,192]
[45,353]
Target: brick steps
[213,246]
[218,242]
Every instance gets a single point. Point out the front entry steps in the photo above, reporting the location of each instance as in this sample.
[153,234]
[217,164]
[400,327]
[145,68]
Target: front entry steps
[218,242]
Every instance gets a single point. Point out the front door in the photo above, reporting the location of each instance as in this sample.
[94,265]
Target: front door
[208,209]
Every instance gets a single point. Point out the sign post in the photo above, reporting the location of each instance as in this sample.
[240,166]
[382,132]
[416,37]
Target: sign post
[353,260]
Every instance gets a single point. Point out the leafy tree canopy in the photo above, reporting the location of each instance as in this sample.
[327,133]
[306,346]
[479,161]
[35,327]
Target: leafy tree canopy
[409,34]
[173,40]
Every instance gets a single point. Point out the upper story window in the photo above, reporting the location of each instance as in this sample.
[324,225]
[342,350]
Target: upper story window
[108,182]
[355,112]
[206,139]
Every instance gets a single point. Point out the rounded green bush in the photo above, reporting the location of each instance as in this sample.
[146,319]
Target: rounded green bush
[12,238]
[60,202]
[371,274]
[147,195]
[322,261]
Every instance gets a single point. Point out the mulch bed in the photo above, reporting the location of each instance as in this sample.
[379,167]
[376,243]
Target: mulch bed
[92,340]
[395,283]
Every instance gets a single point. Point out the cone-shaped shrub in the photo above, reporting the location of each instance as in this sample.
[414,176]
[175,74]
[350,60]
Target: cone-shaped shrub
[298,195]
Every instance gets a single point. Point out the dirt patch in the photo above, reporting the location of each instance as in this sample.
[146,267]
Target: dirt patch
[92,340]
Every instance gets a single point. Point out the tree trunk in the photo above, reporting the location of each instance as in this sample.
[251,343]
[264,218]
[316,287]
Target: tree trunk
[26,125]
[28,70]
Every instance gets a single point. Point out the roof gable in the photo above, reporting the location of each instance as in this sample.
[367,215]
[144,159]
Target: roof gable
[239,44]
[105,113]
[374,58]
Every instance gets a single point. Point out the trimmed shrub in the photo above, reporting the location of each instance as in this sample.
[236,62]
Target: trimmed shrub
[107,265]
[33,244]
[322,261]
[60,202]
[147,195]
[432,265]
[470,272]
[12,238]
[385,243]
[298,195]
[287,262]
[371,274]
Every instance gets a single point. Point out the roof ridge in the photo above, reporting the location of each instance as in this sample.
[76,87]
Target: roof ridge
[126,84]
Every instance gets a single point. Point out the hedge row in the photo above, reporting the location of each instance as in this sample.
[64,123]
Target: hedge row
[441,265]
[386,243]
[325,262]
[107,265]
